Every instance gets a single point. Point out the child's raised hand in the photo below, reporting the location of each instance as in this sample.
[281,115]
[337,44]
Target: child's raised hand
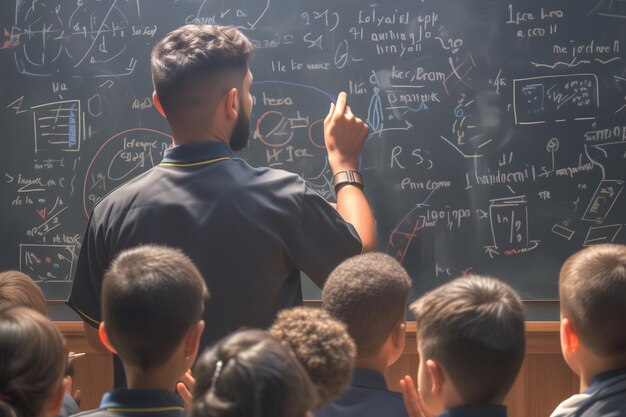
[184,387]
[413,402]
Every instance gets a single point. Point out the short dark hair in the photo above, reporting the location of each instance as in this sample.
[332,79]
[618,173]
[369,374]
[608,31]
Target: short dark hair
[249,373]
[32,361]
[187,62]
[151,295]
[474,327]
[592,289]
[368,293]
[322,345]
[18,288]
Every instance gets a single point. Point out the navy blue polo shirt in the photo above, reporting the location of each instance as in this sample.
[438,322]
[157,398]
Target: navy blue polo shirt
[248,230]
[476,411]
[367,396]
[138,402]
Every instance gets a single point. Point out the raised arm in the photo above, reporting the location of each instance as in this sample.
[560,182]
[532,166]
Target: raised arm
[345,135]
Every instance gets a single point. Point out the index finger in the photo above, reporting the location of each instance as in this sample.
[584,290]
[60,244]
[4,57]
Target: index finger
[340,107]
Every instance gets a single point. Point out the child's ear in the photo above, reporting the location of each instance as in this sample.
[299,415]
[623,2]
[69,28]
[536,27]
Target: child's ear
[569,338]
[400,335]
[157,103]
[192,344]
[437,376]
[104,338]
[231,102]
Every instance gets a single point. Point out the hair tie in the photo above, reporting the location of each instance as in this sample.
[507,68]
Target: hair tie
[6,398]
[216,373]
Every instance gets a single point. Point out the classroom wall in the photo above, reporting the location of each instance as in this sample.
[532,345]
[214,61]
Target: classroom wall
[544,381]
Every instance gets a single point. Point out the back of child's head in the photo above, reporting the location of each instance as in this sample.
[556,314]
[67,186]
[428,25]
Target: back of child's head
[592,290]
[151,296]
[368,293]
[474,327]
[32,362]
[250,373]
[321,344]
[18,288]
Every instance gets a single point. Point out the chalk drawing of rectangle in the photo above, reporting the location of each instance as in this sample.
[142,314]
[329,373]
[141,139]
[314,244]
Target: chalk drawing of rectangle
[47,263]
[562,231]
[57,126]
[603,200]
[549,98]
[602,234]
[509,222]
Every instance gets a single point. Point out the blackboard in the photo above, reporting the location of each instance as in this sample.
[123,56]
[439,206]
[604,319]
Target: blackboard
[498,129]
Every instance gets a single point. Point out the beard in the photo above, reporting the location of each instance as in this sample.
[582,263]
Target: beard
[241,131]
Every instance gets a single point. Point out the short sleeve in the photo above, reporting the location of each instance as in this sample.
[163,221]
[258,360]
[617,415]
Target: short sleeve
[84,298]
[325,238]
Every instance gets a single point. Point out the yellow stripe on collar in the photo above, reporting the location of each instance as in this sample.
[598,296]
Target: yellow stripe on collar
[85,316]
[193,164]
[144,410]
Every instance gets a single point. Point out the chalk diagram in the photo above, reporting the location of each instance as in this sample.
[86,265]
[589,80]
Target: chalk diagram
[120,158]
[403,234]
[49,38]
[57,126]
[555,98]
[610,8]
[244,15]
[509,227]
[47,263]
[293,139]
[607,192]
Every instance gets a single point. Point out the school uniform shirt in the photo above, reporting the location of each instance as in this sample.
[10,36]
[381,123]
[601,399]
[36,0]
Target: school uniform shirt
[250,231]
[476,411]
[367,396]
[606,396]
[137,403]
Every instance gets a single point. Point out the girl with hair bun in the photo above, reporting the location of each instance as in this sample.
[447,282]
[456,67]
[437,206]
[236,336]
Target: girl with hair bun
[32,364]
[250,374]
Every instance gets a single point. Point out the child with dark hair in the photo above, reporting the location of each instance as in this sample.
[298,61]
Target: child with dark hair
[250,373]
[471,344]
[32,364]
[19,289]
[152,302]
[592,291]
[322,345]
[368,293]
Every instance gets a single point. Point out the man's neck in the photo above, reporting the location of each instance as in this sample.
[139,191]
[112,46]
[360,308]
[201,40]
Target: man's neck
[190,141]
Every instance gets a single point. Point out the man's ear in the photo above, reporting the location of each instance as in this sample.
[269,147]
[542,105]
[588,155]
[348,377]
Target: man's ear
[104,338]
[192,343]
[569,336]
[231,101]
[437,376]
[157,104]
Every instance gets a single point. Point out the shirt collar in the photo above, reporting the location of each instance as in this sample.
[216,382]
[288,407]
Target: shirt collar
[605,376]
[476,411]
[367,378]
[197,152]
[141,400]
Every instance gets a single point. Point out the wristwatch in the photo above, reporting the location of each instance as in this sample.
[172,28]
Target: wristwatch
[343,178]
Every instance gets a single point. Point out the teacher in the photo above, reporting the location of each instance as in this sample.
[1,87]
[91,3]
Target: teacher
[250,231]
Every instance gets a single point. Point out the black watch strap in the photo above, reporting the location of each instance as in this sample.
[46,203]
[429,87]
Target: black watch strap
[344,178]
